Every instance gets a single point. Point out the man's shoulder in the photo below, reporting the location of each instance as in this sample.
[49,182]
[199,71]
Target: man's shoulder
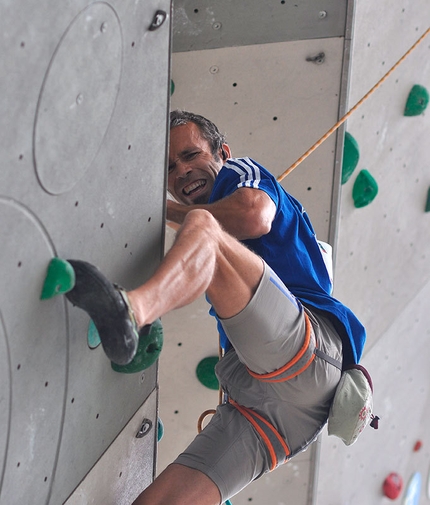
[243,164]
[245,168]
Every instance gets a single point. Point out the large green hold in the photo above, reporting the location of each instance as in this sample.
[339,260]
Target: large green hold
[206,372]
[60,278]
[351,155]
[148,350]
[365,189]
[417,101]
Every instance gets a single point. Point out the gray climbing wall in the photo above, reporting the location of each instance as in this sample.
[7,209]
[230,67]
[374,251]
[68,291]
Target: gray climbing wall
[382,264]
[83,135]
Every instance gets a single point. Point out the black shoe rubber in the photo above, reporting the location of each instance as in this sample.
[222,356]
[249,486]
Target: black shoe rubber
[99,298]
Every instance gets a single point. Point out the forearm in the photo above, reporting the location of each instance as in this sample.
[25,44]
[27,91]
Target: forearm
[244,214]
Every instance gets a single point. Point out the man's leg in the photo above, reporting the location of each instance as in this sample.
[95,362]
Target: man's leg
[180,485]
[204,258]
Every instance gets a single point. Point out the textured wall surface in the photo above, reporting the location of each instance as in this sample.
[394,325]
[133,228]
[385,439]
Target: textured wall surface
[83,133]
[382,266]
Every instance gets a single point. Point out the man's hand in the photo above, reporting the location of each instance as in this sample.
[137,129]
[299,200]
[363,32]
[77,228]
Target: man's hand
[176,212]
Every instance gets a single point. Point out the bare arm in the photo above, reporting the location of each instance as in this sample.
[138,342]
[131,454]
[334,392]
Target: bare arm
[246,213]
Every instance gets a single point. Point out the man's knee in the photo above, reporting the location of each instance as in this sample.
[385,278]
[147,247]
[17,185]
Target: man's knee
[203,220]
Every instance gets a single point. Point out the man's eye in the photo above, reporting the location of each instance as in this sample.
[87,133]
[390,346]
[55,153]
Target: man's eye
[190,156]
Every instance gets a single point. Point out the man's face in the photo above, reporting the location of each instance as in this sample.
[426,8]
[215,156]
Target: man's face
[192,166]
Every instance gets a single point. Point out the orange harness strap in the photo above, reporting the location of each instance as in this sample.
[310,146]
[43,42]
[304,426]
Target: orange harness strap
[276,446]
[295,366]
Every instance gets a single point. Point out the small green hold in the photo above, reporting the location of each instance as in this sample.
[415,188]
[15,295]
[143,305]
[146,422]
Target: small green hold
[428,201]
[60,279]
[172,87]
[160,429]
[365,189]
[206,372]
[417,101]
[93,336]
[351,155]
[147,353]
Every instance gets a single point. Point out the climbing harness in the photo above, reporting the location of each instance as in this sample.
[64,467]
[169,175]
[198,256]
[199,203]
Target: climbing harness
[351,111]
[277,448]
[300,362]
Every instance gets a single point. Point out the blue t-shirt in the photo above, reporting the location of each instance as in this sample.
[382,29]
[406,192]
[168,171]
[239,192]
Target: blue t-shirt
[291,250]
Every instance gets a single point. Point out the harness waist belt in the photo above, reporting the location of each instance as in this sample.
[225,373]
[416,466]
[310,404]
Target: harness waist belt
[301,360]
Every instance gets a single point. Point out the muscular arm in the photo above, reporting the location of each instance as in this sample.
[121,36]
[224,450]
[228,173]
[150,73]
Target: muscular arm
[246,213]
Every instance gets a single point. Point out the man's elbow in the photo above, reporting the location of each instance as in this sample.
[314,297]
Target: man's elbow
[256,226]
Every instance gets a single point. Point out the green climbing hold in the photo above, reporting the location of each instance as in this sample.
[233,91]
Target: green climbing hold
[93,336]
[351,155]
[160,430]
[365,189]
[206,372]
[417,101]
[60,278]
[172,87]
[428,201]
[147,353]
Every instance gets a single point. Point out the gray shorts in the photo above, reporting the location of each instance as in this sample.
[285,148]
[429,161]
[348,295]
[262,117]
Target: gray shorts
[266,335]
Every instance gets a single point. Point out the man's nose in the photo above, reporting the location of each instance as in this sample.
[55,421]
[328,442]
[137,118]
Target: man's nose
[182,169]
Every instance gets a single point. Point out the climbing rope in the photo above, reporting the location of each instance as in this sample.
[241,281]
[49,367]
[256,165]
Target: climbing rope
[351,111]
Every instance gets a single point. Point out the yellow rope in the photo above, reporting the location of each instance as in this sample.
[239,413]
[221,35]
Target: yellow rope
[348,114]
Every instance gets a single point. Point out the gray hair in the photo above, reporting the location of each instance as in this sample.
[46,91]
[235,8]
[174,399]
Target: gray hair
[208,130]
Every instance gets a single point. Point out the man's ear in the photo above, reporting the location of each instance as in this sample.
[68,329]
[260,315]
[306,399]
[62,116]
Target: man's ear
[225,152]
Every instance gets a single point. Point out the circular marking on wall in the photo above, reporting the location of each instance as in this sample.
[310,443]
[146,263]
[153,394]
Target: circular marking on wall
[5,397]
[37,345]
[78,98]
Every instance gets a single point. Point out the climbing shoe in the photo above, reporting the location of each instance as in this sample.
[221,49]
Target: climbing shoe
[148,350]
[108,307]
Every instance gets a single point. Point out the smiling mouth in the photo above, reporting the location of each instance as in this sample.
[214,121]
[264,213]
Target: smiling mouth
[193,187]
